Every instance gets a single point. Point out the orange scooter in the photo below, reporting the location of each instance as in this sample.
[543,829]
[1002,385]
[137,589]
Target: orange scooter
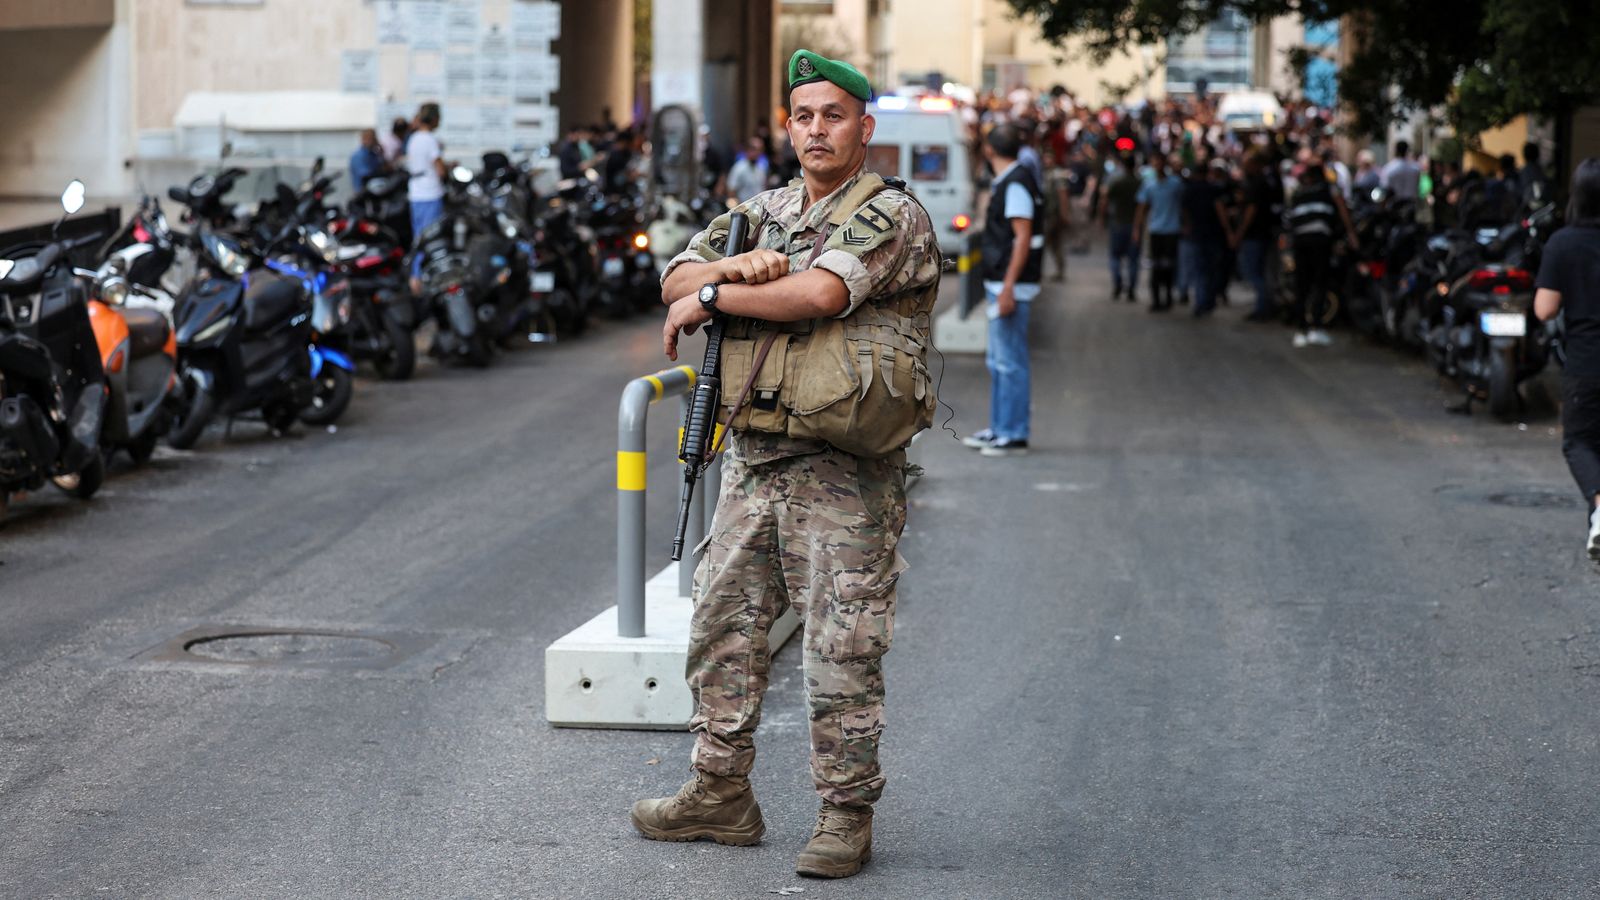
[139,352]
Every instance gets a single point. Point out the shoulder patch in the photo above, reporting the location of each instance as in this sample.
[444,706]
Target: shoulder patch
[869,223]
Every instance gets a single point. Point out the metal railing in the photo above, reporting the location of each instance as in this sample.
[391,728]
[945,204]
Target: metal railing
[632,465]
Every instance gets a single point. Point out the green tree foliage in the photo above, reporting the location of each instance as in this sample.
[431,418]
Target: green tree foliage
[1486,61]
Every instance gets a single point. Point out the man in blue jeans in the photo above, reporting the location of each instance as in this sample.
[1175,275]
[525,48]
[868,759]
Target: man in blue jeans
[1253,237]
[1013,261]
[1120,200]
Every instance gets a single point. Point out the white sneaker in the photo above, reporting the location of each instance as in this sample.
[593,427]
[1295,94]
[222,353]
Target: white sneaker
[979,440]
[1319,337]
[1300,339]
[1594,536]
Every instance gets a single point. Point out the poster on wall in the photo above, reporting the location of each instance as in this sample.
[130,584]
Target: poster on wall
[460,75]
[358,71]
[461,22]
[392,28]
[494,127]
[535,22]
[427,20]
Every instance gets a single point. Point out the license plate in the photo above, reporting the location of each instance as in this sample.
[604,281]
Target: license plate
[1503,324]
[611,267]
[543,282]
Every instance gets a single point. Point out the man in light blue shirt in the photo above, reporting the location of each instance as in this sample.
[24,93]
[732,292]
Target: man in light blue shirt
[1160,203]
[1013,262]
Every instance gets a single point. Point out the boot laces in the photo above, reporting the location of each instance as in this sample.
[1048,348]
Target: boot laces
[838,822]
[692,791]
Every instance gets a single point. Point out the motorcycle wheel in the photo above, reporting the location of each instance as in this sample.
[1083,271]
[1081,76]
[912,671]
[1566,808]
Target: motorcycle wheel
[330,396]
[84,482]
[400,360]
[1502,387]
[193,417]
[479,350]
[140,449]
[570,318]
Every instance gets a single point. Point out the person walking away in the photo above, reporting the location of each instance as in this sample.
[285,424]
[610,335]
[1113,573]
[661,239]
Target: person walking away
[845,264]
[1117,214]
[1013,261]
[1158,214]
[1254,235]
[1057,211]
[367,161]
[1401,176]
[1315,212]
[748,176]
[1569,286]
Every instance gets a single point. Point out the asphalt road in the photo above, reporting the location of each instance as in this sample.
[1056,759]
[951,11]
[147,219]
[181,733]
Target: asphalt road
[1249,622]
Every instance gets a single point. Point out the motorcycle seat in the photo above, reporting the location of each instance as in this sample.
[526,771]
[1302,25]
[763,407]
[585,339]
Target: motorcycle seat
[147,331]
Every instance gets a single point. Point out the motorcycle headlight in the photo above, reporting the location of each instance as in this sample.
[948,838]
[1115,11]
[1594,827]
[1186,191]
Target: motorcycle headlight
[507,226]
[113,290]
[228,256]
[323,242]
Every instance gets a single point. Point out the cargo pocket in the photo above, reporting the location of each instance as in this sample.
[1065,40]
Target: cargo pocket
[860,624]
[766,413]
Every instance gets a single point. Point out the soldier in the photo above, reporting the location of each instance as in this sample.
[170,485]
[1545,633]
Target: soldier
[824,382]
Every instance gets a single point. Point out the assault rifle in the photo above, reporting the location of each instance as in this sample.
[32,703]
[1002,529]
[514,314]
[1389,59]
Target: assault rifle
[700,422]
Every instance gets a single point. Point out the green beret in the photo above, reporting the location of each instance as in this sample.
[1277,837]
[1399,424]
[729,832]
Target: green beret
[806,67]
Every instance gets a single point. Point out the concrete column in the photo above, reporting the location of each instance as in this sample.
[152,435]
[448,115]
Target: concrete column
[677,54]
[596,53]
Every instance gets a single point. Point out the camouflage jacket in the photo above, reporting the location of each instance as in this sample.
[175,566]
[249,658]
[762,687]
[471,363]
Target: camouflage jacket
[888,248]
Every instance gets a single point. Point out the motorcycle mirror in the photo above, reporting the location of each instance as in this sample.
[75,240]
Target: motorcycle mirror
[72,197]
[461,174]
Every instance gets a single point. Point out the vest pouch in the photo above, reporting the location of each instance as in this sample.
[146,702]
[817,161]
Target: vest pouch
[763,409]
[863,388]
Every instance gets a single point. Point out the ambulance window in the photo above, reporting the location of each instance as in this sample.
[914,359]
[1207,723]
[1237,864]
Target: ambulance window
[884,159]
[930,162]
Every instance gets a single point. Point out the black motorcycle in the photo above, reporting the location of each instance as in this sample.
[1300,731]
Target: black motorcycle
[245,343]
[52,384]
[1482,332]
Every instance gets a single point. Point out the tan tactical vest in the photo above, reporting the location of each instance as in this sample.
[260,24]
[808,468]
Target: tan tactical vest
[859,383]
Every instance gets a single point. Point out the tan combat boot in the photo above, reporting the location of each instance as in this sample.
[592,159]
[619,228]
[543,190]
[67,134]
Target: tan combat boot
[840,844]
[709,806]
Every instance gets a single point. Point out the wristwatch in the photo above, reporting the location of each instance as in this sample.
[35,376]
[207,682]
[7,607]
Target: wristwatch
[708,298]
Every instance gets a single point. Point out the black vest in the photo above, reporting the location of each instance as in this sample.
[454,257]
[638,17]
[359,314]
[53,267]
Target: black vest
[1312,215]
[997,234]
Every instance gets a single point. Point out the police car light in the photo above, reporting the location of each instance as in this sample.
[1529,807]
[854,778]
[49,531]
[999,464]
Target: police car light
[960,222]
[891,102]
[936,104]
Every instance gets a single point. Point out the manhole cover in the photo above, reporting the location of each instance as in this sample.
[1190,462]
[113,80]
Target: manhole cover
[290,647]
[1535,499]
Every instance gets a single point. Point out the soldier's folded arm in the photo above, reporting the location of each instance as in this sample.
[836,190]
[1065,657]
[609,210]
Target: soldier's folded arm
[812,294]
[885,263]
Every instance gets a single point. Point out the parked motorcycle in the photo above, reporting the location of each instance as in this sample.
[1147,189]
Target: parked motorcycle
[139,353]
[1483,332]
[245,343]
[52,384]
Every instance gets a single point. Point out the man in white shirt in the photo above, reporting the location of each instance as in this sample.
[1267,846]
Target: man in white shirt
[1401,177]
[425,164]
[748,177]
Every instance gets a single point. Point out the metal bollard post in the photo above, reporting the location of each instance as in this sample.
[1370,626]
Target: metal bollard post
[631,466]
[970,288]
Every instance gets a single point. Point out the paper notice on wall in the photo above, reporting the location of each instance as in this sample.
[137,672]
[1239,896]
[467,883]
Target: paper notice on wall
[392,21]
[389,110]
[458,131]
[494,64]
[426,86]
[460,75]
[461,22]
[427,24]
[533,126]
[535,22]
[537,74]
[358,71]
[494,127]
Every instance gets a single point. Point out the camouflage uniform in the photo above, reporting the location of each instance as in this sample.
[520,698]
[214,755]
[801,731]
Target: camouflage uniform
[803,524]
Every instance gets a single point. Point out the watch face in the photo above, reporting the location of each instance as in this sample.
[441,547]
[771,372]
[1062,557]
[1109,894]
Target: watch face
[708,293]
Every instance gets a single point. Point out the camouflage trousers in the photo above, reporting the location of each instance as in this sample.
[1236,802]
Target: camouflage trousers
[818,533]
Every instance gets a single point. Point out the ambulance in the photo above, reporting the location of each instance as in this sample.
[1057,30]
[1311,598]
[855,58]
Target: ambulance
[923,141]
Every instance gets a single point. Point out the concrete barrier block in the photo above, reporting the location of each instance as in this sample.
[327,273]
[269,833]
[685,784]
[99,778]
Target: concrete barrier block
[953,334]
[595,679]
